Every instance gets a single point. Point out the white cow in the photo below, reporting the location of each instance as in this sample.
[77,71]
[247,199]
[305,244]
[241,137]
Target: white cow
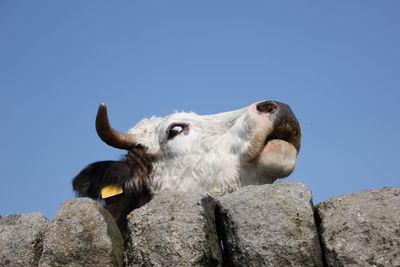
[213,154]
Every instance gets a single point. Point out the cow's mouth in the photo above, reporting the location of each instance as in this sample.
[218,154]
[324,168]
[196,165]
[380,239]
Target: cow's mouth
[285,126]
[287,131]
[277,152]
[281,144]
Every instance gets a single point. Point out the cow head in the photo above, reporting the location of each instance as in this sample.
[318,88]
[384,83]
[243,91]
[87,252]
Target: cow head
[213,154]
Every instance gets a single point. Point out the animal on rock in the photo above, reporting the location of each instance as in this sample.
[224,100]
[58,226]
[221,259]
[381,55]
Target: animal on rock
[213,154]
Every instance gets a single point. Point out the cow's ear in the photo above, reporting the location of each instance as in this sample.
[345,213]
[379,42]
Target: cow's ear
[92,179]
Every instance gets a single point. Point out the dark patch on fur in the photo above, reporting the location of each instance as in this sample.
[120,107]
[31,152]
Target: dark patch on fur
[131,173]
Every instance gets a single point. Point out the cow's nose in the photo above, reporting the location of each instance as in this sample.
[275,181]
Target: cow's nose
[267,106]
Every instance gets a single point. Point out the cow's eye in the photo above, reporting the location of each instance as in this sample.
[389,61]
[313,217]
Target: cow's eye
[175,129]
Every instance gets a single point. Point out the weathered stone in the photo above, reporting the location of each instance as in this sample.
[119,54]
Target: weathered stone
[269,225]
[83,233]
[21,239]
[361,229]
[174,229]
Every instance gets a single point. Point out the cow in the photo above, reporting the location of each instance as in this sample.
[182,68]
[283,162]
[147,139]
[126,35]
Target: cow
[186,152]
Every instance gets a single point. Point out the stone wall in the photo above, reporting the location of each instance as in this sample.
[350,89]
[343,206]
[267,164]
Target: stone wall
[268,225]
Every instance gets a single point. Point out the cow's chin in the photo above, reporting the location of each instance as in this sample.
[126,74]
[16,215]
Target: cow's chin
[278,158]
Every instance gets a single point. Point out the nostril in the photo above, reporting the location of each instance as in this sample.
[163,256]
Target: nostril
[267,107]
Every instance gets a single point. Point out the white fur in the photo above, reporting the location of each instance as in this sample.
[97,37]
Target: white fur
[218,153]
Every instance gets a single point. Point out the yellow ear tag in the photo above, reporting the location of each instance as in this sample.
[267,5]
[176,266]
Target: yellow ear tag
[111,190]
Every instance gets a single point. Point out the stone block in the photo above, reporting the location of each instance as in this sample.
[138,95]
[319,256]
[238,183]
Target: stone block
[361,229]
[174,229]
[21,239]
[269,225]
[83,233]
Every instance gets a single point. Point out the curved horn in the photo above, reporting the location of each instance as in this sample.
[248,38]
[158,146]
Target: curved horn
[109,135]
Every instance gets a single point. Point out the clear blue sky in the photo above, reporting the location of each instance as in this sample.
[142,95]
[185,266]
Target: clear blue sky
[337,63]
